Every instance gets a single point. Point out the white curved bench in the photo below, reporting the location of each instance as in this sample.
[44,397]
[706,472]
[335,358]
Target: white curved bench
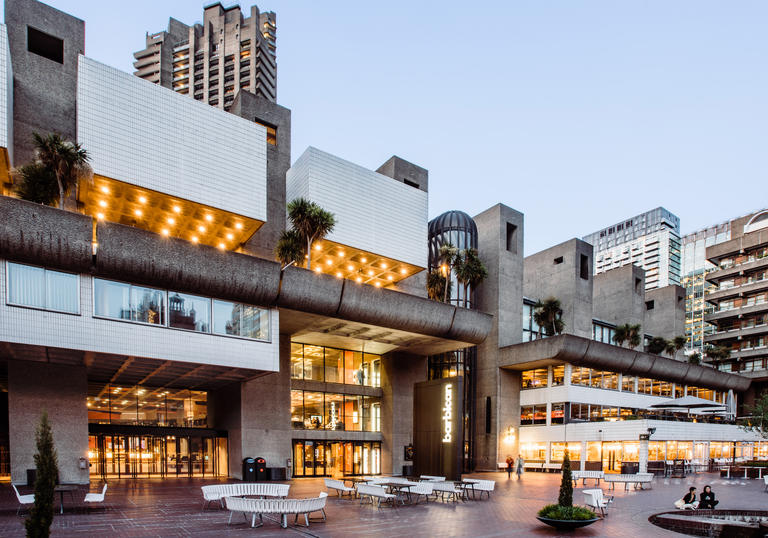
[584,475]
[259,507]
[216,492]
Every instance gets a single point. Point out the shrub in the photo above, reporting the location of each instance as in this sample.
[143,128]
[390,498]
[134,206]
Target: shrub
[566,513]
[566,484]
[41,515]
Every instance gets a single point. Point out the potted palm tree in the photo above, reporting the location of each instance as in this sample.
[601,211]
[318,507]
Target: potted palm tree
[310,223]
[436,283]
[563,515]
[448,258]
[548,316]
[470,271]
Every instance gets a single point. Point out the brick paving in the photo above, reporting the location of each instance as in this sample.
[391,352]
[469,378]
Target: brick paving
[173,508]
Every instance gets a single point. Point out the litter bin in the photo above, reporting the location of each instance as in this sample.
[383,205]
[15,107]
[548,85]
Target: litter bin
[261,470]
[407,470]
[249,470]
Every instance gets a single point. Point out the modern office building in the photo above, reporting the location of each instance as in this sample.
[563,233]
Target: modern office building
[650,240]
[740,299]
[213,61]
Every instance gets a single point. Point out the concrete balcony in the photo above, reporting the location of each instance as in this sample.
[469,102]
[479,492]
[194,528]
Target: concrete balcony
[735,270]
[737,291]
[736,312]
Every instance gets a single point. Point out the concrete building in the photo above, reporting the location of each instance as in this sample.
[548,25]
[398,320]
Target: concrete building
[213,61]
[740,299]
[650,240]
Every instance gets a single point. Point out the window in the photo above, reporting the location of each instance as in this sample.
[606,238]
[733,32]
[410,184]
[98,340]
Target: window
[557,415]
[318,363]
[558,260]
[45,45]
[627,383]
[511,238]
[558,375]
[530,327]
[558,449]
[189,312]
[534,379]
[117,300]
[238,319]
[579,375]
[37,287]
[533,414]
[584,267]
[649,305]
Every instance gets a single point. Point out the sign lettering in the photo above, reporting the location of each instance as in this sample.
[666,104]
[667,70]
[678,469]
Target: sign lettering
[448,414]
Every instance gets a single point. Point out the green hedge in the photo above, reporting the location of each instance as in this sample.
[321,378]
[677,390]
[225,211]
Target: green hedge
[566,513]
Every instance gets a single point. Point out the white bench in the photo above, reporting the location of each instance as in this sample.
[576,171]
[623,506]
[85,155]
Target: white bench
[584,475]
[531,465]
[217,492]
[483,486]
[502,465]
[339,486]
[637,479]
[595,499]
[423,489]
[430,478]
[375,494]
[552,466]
[283,507]
[765,479]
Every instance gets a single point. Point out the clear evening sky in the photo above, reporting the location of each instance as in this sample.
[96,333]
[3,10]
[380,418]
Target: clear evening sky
[577,113]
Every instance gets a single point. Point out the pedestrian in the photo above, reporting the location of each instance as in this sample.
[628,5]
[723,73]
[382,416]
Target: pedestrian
[688,502]
[707,499]
[520,464]
[510,465]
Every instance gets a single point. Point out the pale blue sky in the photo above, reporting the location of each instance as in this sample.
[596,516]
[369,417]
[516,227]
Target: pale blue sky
[577,113]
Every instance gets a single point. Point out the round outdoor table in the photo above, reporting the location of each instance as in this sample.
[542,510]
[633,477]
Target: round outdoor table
[61,489]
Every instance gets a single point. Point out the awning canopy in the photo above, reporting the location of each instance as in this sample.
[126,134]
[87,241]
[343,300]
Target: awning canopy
[687,403]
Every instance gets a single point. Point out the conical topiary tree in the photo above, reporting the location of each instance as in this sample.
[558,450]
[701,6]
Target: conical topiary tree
[566,483]
[38,524]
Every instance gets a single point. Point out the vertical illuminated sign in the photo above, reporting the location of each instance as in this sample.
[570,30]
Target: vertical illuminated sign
[447,416]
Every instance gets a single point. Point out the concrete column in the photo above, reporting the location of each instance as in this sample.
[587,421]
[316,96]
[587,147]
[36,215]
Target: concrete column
[583,455]
[642,456]
[61,391]
[399,372]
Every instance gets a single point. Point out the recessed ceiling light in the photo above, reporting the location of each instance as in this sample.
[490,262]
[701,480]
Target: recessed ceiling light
[338,275]
[222,246]
[318,247]
[239,225]
[230,237]
[100,216]
[363,259]
[195,239]
[351,267]
[341,253]
[209,218]
[389,277]
[102,203]
[378,284]
[138,212]
[176,209]
[171,220]
[370,273]
[328,262]
[317,269]
[165,231]
[105,190]
[403,271]
[383,265]
[359,279]
[201,229]
[143,199]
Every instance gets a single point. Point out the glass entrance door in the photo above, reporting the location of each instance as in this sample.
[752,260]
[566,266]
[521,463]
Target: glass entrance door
[611,457]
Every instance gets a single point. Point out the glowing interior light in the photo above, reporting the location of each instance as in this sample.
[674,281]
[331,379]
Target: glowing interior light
[171,221]
[209,218]
[143,199]
[176,209]
[363,259]
[222,246]
[383,265]
[378,284]
[318,247]
[341,253]
[102,203]
[359,279]
[328,262]
[389,277]
[239,225]
[351,267]
[403,271]
[195,239]
[338,275]
[230,236]
[370,273]
[317,269]
[201,229]
[100,216]
[138,212]
[105,190]
[165,231]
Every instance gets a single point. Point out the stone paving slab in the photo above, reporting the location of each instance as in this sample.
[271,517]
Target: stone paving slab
[172,507]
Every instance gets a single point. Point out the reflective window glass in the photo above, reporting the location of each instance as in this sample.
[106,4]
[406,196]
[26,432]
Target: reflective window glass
[43,288]
[189,312]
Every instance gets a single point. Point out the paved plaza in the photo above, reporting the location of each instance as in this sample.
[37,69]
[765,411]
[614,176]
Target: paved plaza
[173,508]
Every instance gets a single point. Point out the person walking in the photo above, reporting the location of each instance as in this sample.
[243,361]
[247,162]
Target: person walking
[510,465]
[707,499]
[520,464]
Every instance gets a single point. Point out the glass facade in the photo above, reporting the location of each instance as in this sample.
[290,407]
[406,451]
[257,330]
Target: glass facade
[336,458]
[458,229]
[140,304]
[331,365]
[603,332]
[530,327]
[312,410]
[146,406]
[41,288]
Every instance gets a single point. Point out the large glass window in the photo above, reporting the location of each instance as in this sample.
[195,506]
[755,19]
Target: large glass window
[313,363]
[189,312]
[557,452]
[533,451]
[627,383]
[146,406]
[334,365]
[118,300]
[533,414]
[313,410]
[530,328]
[318,363]
[333,411]
[558,375]
[42,288]
[238,319]
[297,361]
[534,379]
[579,375]
[557,415]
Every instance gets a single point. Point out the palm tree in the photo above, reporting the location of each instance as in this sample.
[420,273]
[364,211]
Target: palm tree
[548,315]
[717,352]
[448,255]
[470,271]
[311,222]
[620,334]
[694,358]
[634,335]
[35,182]
[436,283]
[68,161]
[290,248]
[679,342]
[627,333]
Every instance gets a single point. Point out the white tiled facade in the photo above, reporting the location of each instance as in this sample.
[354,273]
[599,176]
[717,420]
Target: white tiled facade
[6,94]
[85,332]
[155,138]
[373,212]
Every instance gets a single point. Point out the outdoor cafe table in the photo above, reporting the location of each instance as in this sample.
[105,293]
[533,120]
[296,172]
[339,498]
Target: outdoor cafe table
[61,488]
[397,487]
[464,486]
